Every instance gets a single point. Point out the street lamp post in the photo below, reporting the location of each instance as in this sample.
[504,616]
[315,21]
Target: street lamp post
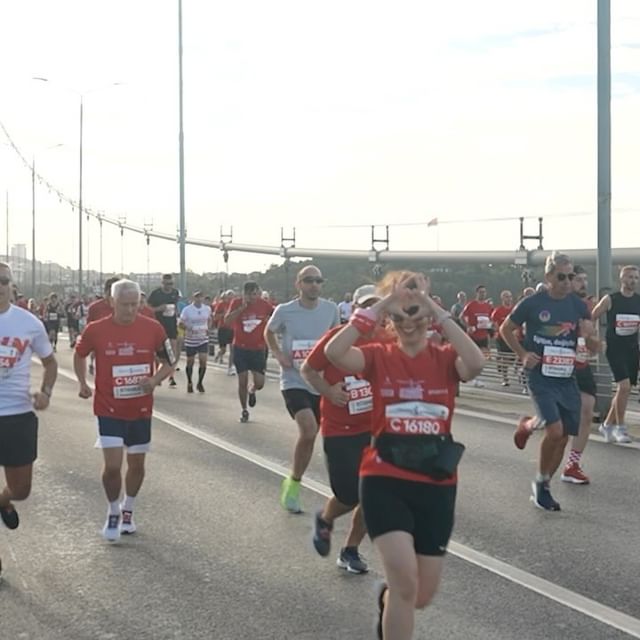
[33,226]
[182,235]
[80,207]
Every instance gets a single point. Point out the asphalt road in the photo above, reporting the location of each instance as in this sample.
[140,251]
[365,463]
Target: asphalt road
[216,557]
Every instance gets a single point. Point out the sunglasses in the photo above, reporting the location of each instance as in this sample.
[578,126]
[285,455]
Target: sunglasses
[563,276]
[4,280]
[311,280]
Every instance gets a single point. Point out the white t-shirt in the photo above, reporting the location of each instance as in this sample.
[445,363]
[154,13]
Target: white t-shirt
[345,309]
[196,322]
[21,335]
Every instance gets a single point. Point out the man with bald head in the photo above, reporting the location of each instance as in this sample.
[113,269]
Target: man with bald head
[291,333]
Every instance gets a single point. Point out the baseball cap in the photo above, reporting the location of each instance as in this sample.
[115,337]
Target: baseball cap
[364,293]
[197,293]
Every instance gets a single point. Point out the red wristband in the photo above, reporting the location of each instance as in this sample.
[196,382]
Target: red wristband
[363,320]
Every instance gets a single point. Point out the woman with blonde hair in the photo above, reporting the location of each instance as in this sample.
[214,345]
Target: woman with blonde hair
[408,474]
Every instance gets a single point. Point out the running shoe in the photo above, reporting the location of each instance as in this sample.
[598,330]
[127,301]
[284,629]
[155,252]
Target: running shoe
[620,434]
[574,474]
[251,399]
[127,526]
[245,416]
[172,383]
[9,516]
[322,535]
[290,495]
[525,391]
[381,589]
[190,387]
[477,383]
[505,383]
[542,497]
[231,372]
[111,529]
[350,560]
[523,432]
[606,431]
[200,388]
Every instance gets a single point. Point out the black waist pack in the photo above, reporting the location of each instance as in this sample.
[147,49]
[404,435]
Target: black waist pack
[435,456]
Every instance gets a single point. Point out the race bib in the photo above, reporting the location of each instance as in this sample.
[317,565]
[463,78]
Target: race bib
[169,311]
[199,331]
[250,324]
[126,380]
[416,418]
[484,322]
[627,324]
[558,362]
[53,317]
[8,359]
[300,349]
[360,395]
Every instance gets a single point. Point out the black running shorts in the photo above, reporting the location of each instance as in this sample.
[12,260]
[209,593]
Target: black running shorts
[192,351]
[18,439]
[225,336]
[342,455]
[586,381]
[249,360]
[624,365]
[299,399]
[426,511]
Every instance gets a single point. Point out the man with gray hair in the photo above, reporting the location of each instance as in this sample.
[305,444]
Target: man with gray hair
[126,345]
[555,318]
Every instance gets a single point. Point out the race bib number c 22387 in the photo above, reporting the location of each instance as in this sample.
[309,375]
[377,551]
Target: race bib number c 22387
[558,362]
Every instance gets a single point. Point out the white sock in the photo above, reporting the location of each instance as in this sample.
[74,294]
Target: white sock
[114,508]
[127,504]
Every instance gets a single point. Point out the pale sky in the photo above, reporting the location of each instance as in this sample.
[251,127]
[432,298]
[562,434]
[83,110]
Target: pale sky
[310,115]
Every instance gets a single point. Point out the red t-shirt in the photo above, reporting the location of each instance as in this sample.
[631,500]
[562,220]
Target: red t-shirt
[248,327]
[98,310]
[499,314]
[147,312]
[477,316]
[124,355]
[411,396]
[355,417]
[219,310]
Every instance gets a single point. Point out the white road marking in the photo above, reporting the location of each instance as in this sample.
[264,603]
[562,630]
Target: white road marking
[565,597]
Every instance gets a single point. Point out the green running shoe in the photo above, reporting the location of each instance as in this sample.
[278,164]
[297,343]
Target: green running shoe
[290,495]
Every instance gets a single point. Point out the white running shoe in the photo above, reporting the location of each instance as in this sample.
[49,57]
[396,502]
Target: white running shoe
[606,431]
[127,525]
[231,372]
[111,529]
[620,434]
[478,383]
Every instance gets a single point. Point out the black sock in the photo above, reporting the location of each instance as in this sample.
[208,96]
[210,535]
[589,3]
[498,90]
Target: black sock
[201,372]
[189,372]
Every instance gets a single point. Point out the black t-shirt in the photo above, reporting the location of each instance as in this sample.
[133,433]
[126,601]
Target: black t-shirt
[623,320]
[168,317]
[52,313]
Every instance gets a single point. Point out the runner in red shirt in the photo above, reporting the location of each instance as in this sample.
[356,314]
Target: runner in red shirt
[505,354]
[345,425]
[408,475]
[100,309]
[225,332]
[477,318]
[126,345]
[247,317]
[145,309]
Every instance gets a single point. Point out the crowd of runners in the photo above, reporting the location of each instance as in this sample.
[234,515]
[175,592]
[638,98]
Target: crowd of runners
[376,376]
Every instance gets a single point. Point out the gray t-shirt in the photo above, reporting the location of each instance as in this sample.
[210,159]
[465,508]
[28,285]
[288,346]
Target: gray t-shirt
[299,329]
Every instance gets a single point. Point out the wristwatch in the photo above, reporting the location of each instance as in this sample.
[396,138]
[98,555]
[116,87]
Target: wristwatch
[47,391]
